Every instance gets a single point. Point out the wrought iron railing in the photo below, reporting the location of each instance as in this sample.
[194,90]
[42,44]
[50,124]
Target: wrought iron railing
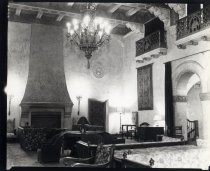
[151,42]
[193,23]
[192,130]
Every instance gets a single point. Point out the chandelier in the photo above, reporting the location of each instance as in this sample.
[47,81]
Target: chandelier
[90,33]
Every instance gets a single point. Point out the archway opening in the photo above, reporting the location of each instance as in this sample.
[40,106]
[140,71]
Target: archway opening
[189,86]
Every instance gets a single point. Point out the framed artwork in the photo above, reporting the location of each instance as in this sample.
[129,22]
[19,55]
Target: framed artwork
[144,88]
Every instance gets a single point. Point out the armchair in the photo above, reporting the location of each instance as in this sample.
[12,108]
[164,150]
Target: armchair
[51,150]
[103,158]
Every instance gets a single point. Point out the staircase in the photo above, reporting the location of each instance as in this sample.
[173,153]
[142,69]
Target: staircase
[192,132]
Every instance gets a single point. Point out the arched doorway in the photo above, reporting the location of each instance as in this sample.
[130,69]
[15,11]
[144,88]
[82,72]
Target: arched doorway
[190,107]
[189,82]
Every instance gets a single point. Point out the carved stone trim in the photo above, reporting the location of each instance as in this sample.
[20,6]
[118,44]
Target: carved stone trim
[180,46]
[179,98]
[162,14]
[178,8]
[136,27]
[140,61]
[205,96]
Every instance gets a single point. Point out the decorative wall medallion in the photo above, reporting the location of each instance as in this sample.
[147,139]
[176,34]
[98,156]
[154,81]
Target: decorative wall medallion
[98,70]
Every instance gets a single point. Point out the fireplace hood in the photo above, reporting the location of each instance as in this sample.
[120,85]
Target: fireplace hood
[46,90]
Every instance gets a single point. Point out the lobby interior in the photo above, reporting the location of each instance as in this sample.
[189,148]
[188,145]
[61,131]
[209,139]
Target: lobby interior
[120,84]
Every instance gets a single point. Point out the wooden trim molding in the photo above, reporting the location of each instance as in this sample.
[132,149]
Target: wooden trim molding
[205,96]
[179,98]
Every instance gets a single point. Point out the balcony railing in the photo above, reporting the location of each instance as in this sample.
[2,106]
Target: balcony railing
[193,23]
[151,42]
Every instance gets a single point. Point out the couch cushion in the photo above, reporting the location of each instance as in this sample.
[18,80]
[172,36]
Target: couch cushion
[103,154]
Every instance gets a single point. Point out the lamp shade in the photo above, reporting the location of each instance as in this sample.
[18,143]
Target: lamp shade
[119,109]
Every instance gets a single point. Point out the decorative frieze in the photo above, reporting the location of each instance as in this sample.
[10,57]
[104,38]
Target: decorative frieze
[162,13]
[179,98]
[178,8]
[136,27]
[205,96]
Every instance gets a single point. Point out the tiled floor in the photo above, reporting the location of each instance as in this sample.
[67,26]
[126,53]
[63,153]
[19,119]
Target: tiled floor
[164,156]
[184,156]
[18,157]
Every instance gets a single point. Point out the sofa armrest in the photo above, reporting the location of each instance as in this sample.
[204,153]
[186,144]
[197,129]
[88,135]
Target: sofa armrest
[119,141]
[67,161]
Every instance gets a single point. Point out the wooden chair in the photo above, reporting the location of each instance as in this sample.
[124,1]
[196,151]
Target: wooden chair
[178,132]
[102,159]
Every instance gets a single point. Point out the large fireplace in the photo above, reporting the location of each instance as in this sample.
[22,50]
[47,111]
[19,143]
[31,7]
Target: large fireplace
[46,101]
[49,119]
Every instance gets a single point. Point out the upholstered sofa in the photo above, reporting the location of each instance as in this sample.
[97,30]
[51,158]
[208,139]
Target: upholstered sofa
[31,139]
[87,146]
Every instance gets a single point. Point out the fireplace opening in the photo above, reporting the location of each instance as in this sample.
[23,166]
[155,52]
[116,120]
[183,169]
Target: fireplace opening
[46,119]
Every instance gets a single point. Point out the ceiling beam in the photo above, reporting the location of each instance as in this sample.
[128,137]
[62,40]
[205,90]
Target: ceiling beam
[18,11]
[39,15]
[70,4]
[132,11]
[60,17]
[114,8]
[112,21]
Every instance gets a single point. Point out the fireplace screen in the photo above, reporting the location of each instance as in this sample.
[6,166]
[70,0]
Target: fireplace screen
[46,119]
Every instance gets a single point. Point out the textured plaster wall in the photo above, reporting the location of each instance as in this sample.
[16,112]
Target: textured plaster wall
[193,58]
[130,83]
[46,79]
[80,80]
[18,63]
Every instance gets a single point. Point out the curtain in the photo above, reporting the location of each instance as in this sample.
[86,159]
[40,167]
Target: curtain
[169,109]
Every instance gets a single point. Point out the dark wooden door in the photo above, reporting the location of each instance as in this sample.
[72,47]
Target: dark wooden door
[97,112]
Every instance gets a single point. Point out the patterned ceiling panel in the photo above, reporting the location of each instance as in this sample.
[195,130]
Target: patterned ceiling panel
[120,12]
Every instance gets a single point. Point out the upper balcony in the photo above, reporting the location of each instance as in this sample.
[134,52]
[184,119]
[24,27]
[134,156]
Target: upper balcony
[193,28]
[152,46]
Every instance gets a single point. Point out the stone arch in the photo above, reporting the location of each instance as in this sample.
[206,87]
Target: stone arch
[184,77]
[182,74]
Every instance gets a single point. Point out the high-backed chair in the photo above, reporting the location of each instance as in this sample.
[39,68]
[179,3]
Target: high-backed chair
[178,132]
[51,150]
[103,158]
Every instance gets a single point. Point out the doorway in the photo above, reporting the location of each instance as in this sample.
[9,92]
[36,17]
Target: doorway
[97,112]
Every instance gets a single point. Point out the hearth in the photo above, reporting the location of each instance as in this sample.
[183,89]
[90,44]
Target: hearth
[46,119]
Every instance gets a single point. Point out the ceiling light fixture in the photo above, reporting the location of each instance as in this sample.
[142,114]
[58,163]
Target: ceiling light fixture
[90,33]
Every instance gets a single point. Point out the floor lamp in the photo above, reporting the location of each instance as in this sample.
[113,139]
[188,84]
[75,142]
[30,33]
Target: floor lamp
[120,110]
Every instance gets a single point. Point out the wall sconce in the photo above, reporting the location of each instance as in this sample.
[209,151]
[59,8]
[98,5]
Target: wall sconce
[10,96]
[79,98]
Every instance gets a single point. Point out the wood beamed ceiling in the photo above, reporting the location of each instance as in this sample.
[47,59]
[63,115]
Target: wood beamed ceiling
[119,15]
